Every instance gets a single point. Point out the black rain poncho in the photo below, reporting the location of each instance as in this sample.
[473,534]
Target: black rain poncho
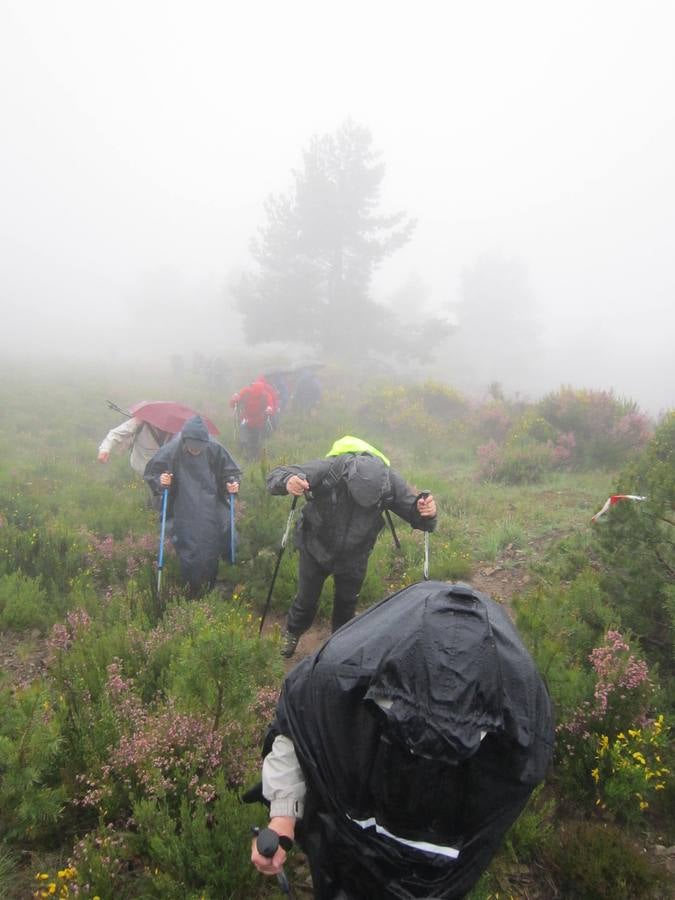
[198,508]
[422,720]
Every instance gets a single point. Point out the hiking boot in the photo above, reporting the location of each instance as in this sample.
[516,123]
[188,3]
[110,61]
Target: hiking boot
[289,643]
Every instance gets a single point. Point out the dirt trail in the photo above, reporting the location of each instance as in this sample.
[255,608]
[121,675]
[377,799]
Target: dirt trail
[499,580]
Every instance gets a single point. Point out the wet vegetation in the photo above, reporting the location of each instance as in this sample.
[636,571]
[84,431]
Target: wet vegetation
[130,723]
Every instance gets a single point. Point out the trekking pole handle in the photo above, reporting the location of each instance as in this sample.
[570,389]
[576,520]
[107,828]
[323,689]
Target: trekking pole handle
[267,843]
[422,496]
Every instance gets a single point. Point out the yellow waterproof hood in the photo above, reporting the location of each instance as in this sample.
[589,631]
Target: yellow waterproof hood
[351,444]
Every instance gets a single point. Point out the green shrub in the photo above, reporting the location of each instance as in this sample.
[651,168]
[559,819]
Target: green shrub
[54,553]
[9,871]
[595,861]
[395,411]
[32,794]
[505,534]
[218,669]
[24,603]
[202,851]
[526,464]
[635,544]
[633,770]
[533,830]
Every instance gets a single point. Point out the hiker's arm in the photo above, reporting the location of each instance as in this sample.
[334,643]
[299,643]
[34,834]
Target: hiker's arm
[404,503]
[230,473]
[283,782]
[161,463]
[123,435]
[313,472]
[284,787]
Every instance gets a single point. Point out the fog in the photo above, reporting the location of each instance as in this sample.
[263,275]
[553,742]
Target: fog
[140,140]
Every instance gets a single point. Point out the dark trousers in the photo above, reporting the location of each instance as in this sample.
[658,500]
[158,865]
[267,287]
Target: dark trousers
[348,577]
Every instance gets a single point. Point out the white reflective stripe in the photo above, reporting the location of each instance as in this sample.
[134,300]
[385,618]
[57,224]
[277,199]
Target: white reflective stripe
[424,846]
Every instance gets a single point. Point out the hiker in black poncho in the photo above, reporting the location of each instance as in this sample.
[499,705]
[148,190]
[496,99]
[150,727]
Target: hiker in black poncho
[346,493]
[201,475]
[405,747]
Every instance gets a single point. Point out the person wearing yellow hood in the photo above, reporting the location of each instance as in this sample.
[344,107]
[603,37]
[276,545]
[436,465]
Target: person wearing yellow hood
[346,495]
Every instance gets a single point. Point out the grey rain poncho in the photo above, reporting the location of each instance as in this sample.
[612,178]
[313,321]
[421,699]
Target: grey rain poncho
[198,508]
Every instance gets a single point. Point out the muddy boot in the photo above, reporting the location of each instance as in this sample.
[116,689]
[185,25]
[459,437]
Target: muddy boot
[288,644]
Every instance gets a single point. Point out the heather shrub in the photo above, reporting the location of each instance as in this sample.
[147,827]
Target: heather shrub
[607,430]
[493,420]
[200,851]
[81,649]
[112,561]
[525,463]
[621,701]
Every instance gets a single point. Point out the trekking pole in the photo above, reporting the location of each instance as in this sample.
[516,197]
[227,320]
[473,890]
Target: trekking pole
[279,555]
[425,569]
[387,516]
[267,843]
[233,541]
[160,561]
[114,406]
[237,423]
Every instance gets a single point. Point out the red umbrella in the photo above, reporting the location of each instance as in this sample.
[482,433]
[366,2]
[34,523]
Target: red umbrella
[167,415]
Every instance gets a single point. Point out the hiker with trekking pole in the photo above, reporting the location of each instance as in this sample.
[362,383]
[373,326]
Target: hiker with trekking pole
[202,480]
[255,407]
[404,749]
[346,495]
[148,426]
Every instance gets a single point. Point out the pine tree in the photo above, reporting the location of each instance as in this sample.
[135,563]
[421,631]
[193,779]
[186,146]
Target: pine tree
[319,248]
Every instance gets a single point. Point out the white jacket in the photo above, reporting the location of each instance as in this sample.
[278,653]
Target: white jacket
[134,434]
[283,782]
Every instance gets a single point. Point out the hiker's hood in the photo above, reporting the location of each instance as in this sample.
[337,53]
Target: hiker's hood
[351,444]
[195,430]
[367,479]
[445,666]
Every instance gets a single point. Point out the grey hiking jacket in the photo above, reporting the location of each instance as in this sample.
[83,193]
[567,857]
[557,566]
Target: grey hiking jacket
[332,525]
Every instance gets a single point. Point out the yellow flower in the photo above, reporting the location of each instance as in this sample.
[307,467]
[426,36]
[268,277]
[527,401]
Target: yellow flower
[52,887]
[595,775]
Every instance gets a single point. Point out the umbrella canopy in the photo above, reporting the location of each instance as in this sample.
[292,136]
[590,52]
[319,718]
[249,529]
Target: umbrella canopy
[167,415]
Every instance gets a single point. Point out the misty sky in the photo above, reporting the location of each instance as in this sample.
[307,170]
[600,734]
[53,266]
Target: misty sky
[140,139]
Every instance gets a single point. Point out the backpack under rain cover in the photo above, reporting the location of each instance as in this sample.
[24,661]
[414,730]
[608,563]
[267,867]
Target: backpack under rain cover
[422,720]
[366,477]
